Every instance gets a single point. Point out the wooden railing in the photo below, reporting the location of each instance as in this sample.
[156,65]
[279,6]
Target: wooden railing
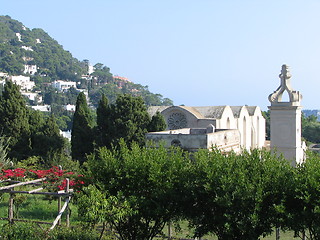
[66,193]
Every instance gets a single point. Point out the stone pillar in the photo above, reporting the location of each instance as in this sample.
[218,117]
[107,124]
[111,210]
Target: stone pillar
[285,120]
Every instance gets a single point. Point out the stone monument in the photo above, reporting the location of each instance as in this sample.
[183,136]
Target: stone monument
[285,120]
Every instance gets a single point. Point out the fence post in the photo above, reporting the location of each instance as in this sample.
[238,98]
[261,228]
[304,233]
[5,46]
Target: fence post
[59,208]
[10,210]
[59,200]
[277,233]
[67,210]
[169,230]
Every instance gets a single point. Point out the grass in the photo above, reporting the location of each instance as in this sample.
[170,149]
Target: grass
[34,207]
[186,233]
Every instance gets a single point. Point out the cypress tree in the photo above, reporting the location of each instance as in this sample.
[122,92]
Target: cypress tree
[82,132]
[103,123]
[14,123]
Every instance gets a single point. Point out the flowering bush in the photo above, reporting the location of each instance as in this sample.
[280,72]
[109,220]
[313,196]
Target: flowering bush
[55,177]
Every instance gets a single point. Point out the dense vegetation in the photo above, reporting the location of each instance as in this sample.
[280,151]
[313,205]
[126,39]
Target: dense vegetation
[137,190]
[28,132]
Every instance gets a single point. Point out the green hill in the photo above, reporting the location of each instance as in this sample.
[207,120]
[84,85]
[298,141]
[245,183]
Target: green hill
[20,46]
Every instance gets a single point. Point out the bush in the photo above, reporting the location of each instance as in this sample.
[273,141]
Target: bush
[21,231]
[29,231]
[75,233]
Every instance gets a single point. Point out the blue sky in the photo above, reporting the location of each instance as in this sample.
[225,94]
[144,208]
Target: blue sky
[198,53]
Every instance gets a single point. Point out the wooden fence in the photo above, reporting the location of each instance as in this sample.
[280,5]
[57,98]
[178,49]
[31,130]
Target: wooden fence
[66,193]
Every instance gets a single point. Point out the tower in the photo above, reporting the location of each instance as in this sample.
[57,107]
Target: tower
[285,120]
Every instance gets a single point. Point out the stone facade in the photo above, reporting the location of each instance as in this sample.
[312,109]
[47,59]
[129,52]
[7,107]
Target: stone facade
[193,139]
[247,121]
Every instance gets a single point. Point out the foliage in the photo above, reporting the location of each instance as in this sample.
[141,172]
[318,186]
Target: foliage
[14,120]
[150,181]
[47,54]
[238,196]
[311,128]
[55,177]
[45,136]
[4,144]
[28,231]
[82,133]
[102,74]
[103,123]
[127,119]
[112,90]
[157,123]
[304,205]
[21,231]
[31,132]
[53,96]
[96,207]
[74,233]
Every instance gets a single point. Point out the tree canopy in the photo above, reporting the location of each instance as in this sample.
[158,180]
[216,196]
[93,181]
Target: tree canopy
[148,182]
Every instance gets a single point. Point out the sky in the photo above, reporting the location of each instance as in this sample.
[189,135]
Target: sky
[195,52]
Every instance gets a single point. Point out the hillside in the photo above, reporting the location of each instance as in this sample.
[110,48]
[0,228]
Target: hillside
[22,48]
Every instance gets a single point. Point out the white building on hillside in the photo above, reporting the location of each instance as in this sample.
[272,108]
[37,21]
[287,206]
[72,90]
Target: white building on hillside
[42,108]
[63,85]
[23,81]
[30,69]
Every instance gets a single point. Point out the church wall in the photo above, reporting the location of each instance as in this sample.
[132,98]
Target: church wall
[244,126]
[225,140]
[227,120]
[251,129]
[177,118]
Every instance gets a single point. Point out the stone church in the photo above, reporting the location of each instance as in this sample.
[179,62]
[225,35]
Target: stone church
[226,127]
[237,127]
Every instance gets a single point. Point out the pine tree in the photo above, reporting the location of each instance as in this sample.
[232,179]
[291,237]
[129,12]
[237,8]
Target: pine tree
[14,121]
[82,132]
[157,123]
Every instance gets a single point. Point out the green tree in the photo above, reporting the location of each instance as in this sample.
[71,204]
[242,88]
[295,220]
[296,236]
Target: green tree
[311,128]
[81,135]
[45,136]
[103,123]
[14,122]
[238,196]
[149,181]
[129,120]
[303,207]
[157,123]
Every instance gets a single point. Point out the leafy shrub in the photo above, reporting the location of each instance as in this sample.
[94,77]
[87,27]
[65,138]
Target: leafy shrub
[76,233]
[21,231]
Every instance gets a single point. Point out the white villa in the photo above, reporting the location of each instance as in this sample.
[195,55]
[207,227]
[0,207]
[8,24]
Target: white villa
[22,81]
[30,69]
[63,85]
